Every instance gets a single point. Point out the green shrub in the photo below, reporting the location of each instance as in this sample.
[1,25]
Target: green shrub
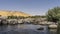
[53,14]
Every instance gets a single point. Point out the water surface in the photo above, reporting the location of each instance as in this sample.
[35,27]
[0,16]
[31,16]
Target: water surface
[25,29]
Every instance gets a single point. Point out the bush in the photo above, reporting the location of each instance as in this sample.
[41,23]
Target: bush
[53,14]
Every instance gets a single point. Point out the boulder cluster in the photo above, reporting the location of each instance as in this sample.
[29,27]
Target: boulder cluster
[40,21]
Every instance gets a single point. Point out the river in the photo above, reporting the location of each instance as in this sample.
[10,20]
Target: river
[25,29]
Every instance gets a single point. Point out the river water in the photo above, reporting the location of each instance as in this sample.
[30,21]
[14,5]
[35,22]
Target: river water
[25,29]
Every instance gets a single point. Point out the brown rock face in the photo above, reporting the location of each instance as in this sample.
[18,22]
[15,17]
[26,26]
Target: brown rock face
[14,13]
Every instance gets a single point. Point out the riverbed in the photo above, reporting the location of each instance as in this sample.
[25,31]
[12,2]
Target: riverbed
[25,29]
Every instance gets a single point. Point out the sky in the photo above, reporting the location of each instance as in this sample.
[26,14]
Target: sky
[33,7]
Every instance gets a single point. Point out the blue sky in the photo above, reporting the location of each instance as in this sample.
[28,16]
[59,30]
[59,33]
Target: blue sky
[33,7]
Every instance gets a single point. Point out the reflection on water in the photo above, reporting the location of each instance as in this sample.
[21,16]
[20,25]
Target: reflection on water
[24,29]
[53,31]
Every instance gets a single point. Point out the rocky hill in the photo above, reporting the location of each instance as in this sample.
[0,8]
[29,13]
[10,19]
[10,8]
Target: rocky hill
[14,13]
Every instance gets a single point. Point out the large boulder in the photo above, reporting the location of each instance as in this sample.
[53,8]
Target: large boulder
[12,21]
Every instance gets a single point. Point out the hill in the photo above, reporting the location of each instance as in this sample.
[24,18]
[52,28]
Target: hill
[14,13]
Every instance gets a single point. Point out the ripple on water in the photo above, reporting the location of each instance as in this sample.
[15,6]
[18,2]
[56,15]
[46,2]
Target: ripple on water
[22,29]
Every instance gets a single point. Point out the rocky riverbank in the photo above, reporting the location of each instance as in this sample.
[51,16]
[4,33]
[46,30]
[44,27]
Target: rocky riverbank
[38,21]
[25,21]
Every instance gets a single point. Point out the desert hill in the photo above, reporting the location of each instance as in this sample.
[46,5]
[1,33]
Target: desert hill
[14,13]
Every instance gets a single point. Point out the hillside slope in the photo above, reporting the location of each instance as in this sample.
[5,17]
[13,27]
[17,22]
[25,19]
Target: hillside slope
[14,13]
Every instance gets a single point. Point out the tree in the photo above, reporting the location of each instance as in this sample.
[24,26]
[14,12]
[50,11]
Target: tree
[53,14]
[12,17]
